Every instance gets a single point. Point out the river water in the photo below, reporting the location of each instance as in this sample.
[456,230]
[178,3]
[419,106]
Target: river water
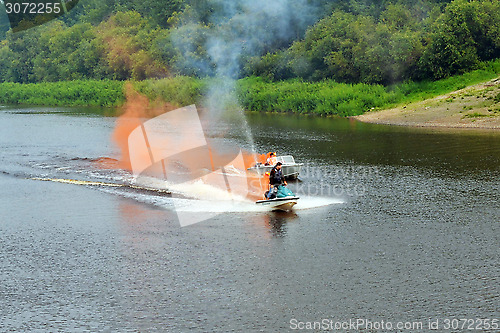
[396,224]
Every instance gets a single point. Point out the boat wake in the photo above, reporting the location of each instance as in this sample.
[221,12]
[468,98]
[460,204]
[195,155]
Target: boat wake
[201,197]
[308,202]
[186,197]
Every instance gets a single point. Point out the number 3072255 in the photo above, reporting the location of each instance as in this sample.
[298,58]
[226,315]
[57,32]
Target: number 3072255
[33,8]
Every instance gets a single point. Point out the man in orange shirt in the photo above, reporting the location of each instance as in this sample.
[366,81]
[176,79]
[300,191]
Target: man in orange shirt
[272,159]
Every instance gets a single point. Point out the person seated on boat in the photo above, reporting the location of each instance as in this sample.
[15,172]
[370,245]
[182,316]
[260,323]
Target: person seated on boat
[271,159]
[276,178]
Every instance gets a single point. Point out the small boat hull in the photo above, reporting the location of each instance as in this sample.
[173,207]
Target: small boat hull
[283,204]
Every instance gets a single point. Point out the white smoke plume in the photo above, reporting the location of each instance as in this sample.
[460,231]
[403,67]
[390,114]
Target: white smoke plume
[234,31]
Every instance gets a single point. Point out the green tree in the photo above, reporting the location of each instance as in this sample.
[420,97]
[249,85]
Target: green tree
[127,38]
[465,34]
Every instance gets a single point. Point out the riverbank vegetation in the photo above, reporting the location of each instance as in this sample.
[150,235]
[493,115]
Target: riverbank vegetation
[330,98]
[64,93]
[343,58]
[326,97]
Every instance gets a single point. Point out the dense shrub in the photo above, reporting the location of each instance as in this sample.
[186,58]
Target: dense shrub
[70,93]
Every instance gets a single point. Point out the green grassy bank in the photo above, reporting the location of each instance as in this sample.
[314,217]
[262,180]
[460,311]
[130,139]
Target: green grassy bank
[64,93]
[331,98]
[255,94]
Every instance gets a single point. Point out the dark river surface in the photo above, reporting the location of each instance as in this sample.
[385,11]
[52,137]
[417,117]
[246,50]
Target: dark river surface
[398,224]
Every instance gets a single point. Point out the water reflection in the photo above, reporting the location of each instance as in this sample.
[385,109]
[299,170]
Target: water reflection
[277,222]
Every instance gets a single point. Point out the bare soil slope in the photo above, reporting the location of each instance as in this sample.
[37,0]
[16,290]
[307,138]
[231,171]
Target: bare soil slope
[476,106]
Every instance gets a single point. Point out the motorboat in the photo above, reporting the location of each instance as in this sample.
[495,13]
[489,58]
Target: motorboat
[281,199]
[289,168]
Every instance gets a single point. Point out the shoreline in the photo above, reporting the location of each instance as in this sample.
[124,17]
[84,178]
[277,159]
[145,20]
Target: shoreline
[474,107]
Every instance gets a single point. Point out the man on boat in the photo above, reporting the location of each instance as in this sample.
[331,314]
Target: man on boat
[272,159]
[276,178]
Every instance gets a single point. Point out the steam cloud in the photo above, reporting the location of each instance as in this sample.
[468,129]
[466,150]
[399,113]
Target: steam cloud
[235,31]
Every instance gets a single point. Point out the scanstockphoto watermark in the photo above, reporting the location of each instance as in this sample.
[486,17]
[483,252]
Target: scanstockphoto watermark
[341,172]
[431,324]
[359,324]
[342,180]
[331,190]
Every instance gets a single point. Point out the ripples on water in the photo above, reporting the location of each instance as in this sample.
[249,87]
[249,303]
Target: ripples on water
[402,225]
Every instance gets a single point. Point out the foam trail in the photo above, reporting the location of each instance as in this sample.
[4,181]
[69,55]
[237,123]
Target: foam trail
[194,190]
[209,206]
[201,197]
[197,196]
[101,184]
[204,198]
[228,206]
[316,202]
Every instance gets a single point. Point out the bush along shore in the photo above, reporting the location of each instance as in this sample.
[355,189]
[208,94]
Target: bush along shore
[64,93]
[322,98]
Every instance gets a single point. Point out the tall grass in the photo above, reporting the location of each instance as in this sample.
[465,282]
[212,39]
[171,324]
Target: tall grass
[326,97]
[180,90]
[65,93]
